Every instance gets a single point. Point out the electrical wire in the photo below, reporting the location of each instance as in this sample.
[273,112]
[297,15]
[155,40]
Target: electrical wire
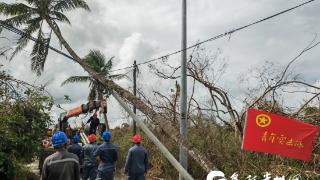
[17,31]
[217,36]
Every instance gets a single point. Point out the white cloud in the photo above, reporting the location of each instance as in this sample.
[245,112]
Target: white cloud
[140,30]
[133,48]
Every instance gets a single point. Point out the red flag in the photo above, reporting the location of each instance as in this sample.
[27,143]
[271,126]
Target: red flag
[274,134]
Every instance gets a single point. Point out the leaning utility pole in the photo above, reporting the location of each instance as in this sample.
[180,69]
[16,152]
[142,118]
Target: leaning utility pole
[154,139]
[135,94]
[183,155]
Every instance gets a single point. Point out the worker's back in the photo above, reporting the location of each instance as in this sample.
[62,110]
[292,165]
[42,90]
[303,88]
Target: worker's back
[76,149]
[108,154]
[61,165]
[137,160]
[88,158]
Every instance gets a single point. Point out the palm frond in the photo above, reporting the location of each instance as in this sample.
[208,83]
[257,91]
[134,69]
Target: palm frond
[75,79]
[33,26]
[96,60]
[61,17]
[22,43]
[81,4]
[108,66]
[15,9]
[34,22]
[18,20]
[66,5]
[39,54]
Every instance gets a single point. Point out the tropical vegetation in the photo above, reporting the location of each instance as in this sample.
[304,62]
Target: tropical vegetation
[97,61]
[24,119]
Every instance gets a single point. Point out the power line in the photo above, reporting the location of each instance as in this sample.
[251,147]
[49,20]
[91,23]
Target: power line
[217,36]
[20,32]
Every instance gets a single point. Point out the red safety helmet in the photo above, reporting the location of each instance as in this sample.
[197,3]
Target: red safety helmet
[136,138]
[92,138]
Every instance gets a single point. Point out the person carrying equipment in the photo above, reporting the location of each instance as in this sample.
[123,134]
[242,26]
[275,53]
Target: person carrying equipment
[61,165]
[75,148]
[89,161]
[136,166]
[94,123]
[107,153]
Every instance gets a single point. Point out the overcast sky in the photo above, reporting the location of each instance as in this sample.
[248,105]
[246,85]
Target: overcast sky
[144,29]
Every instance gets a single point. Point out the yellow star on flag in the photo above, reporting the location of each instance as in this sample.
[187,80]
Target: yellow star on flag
[263,120]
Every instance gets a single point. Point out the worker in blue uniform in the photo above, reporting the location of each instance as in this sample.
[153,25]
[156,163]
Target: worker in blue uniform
[136,166]
[107,154]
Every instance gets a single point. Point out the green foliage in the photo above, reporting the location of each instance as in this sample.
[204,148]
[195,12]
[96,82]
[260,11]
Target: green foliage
[312,115]
[122,138]
[23,123]
[98,62]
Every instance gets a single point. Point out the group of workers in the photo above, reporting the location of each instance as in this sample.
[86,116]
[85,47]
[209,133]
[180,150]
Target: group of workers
[97,161]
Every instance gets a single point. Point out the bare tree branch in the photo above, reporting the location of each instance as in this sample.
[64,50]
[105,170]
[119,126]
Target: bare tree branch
[310,46]
[306,103]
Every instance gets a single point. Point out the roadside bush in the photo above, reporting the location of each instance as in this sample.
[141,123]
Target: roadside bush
[23,124]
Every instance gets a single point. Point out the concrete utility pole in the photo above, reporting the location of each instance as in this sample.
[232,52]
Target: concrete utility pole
[183,156]
[134,93]
[154,139]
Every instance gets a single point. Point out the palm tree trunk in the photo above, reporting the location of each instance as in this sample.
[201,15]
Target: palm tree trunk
[164,124]
[100,98]
[106,121]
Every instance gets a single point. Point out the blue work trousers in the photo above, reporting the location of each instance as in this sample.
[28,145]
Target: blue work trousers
[89,172]
[136,177]
[105,175]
